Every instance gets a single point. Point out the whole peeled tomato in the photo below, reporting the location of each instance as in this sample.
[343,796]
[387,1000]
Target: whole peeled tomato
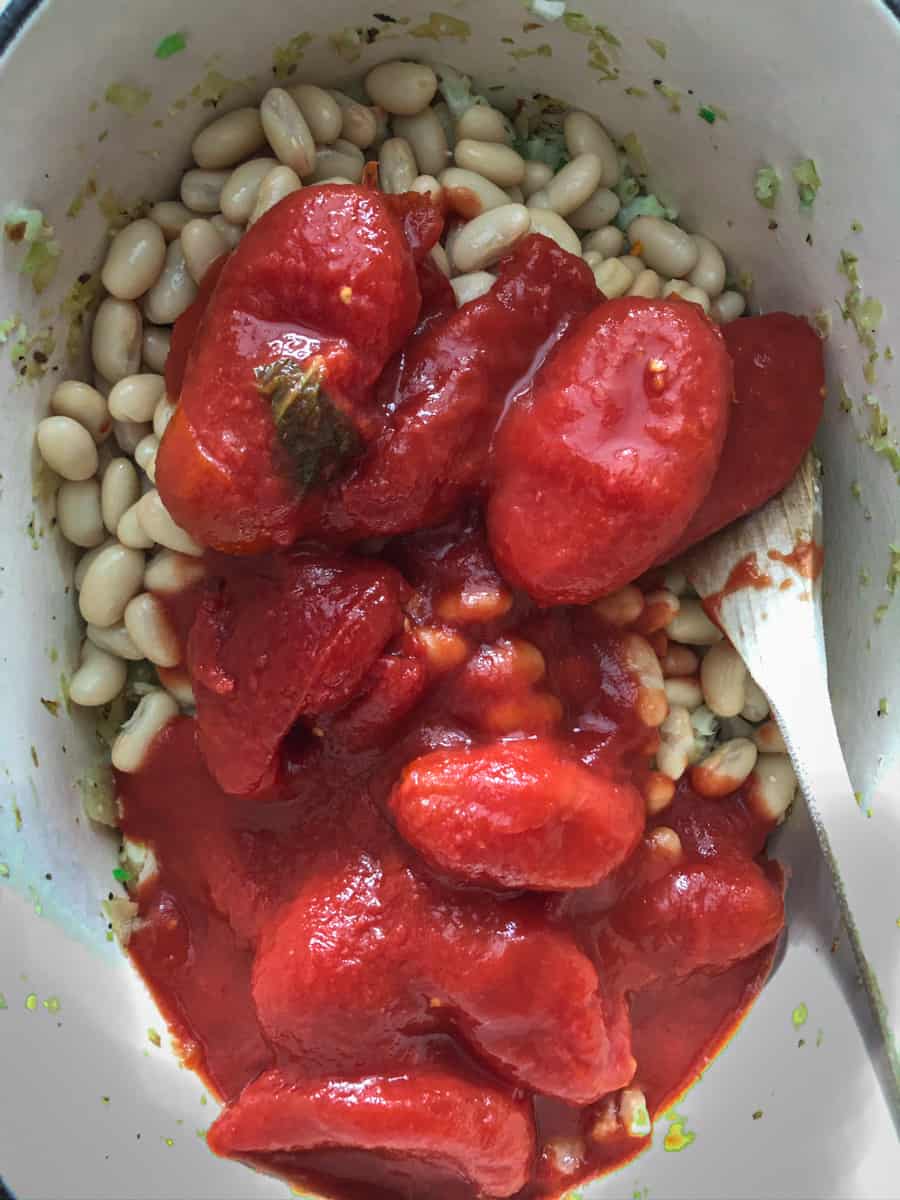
[601,465]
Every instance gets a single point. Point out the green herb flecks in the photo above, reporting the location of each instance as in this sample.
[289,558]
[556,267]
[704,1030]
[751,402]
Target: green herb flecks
[4,870]
[766,186]
[884,707]
[127,98]
[670,94]
[31,1002]
[641,93]
[545,50]
[442,25]
[799,1016]
[806,176]
[706,114]
[657,46]
[678,1137]
[75,308]
[173,44]
[52,1004]
[865,577]
[856,227]
[4,1005]
[286,58]
[153,1037]
[122,874]
[757,1116]
[893,573]
[26,226]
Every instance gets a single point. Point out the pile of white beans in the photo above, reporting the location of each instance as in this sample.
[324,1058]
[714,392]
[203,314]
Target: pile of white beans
[102,440]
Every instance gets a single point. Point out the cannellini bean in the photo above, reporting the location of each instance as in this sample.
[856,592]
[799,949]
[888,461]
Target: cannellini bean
[647,284]
[427,185]
[709,272]
[332,163]
[500,164]
[151,630]
[155,348]
[173,292]
[99,679]
[575,183]
[584,135]
[119,489]
[130,531]
[609,242]
[359,124]
[145,455]
[651,706]
[727,307]
[128,434]
[723,677]
[115,640]
[596,212]
[158,524]
[675,287]
[756,705]
[471,286]
[177,683]
[169,573]
[241,189]
[732,727]
[470,194]
[201,191]
[85,561]
[725,769]
[280,182]
[229,139]
[287,131]
[692,626]
[665,247]
[488,237]
[484,124]
[676,740]
[684,690]
[171,216]
[135,397]
[537,174]
[78,513]
[112,579]
[401,88]
[773,786]
[695,295]
[613,278]
[202,245]
[134,260]
[768,739]
[633,263]
[321,112]
[659,792]
[679,660]
[162,415]
[151,716]
[555,227]
[67,448]
[444,648]
[85,405]
[231,234]
[665,845]
[397,167]
[439,257]
[116,338]
[425,134]
[620,608]
[472,604]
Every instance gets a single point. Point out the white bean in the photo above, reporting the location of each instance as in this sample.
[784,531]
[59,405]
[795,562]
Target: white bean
[756,705]
[145,455]
[665,246]
[67,448]
[516,195]
[202,245]
[241,188]
[162,415]
[500,164]
[555,227]
[174,291]
[684,690]
[85,405]
[709,272]
[727,307]
[646,284]
[131,532]
[584,135]
[201,191]
[439,257]
[119,489]
[112,579]
[609,242]
[135,397]
[484,124]
[158,524]
[768,738]
[128,434]
[78,513]
[359,124]
[575,183]
[620,608]
[633,263]
[427,185]
[151,716]
[287,131]
[332,163]
[169,573]
[116,339]
[651,705]
[613,278]
[231,234]
[321,112]
[676,739]
[229,139]
[470,194]
[171,216]
[155,347]
[151,630]
[723,677]
[675,287]
[134,260]
[426,136]
[773,785]
[397,166]
[85,561]
[725,769]
[486,239]
[280,182]
[692,626]
[695,295]
[177,683]
[401,88]
[537,175]
[99,679]
[471,286]
[596,212]
[115,640]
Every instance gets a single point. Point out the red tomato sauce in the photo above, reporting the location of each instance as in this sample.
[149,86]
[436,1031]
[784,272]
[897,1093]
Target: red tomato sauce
[411,920]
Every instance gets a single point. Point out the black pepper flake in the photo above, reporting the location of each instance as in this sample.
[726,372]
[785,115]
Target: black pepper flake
[83,277]
[773,224]
[385,17]
[39,356]
[371,34]
[657,82]
[808,239]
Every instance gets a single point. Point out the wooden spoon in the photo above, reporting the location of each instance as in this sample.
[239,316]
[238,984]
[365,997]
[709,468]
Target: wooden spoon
[759,579]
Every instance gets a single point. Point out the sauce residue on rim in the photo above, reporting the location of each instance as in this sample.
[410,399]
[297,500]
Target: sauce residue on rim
[807,558]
